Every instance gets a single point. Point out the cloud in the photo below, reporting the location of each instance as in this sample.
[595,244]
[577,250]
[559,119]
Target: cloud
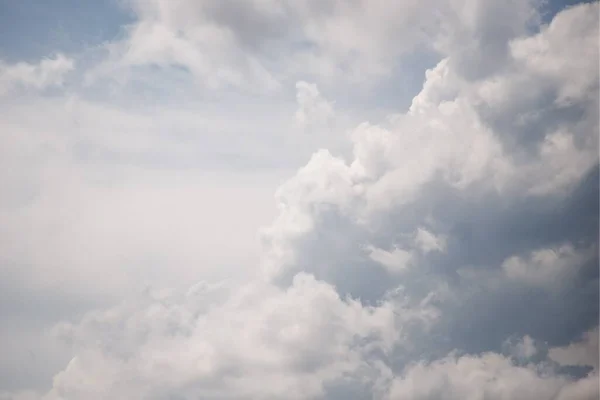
[549,55]
[226,44]
[48,72]
[100,199]
[402,268]
[523,349]
[547,267]
[489,375]
[200,345]
[395,260]
[313,109]
[476,34]
[582,353]
[449,139]
[427,241]
[260,45]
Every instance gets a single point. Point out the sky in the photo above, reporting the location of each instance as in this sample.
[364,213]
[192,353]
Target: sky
[299,199]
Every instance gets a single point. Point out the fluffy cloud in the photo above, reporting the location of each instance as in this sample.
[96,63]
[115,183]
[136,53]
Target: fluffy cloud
[404,268]
[253,44]
[395,260]
[259,45]
[490,376]
[447,137]
[48,72]
[547,267]
[583,353]
[227,343]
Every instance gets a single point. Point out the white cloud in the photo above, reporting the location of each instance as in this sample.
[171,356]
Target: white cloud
[427,241]
[475,34]
[266,43]
[395,261]
[562,163]
[523,349]
[98,200]
[390,167]
[201,347]
[582,353]
[489,376]
[263,44]
[313,109]
[90,187]
[48,72]
[551,267]
[552,55]
[519,117]
[85,230]
[398,260]
[448,137]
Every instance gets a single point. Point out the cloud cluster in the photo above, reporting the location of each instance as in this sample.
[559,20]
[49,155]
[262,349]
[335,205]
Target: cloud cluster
[258,45]
[452,254]
[216,342]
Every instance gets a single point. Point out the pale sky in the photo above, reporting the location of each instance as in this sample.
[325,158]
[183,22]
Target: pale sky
[299,199]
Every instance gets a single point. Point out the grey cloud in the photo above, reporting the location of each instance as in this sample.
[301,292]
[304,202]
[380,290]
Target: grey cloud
[479,41]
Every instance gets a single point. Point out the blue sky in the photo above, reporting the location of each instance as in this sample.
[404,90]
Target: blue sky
[268,199]
[34,28]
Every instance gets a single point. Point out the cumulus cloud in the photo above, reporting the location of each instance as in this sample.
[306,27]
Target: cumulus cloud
[490,376]
[255,44]
[261,44]
[48,72]
[227,345]
[548,54]
[547,267]
[448,138]
[404,268]
[582,353]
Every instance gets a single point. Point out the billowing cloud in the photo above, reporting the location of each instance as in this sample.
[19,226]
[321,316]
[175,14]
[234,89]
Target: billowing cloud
[451,253]
[489,376]
[228,342]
